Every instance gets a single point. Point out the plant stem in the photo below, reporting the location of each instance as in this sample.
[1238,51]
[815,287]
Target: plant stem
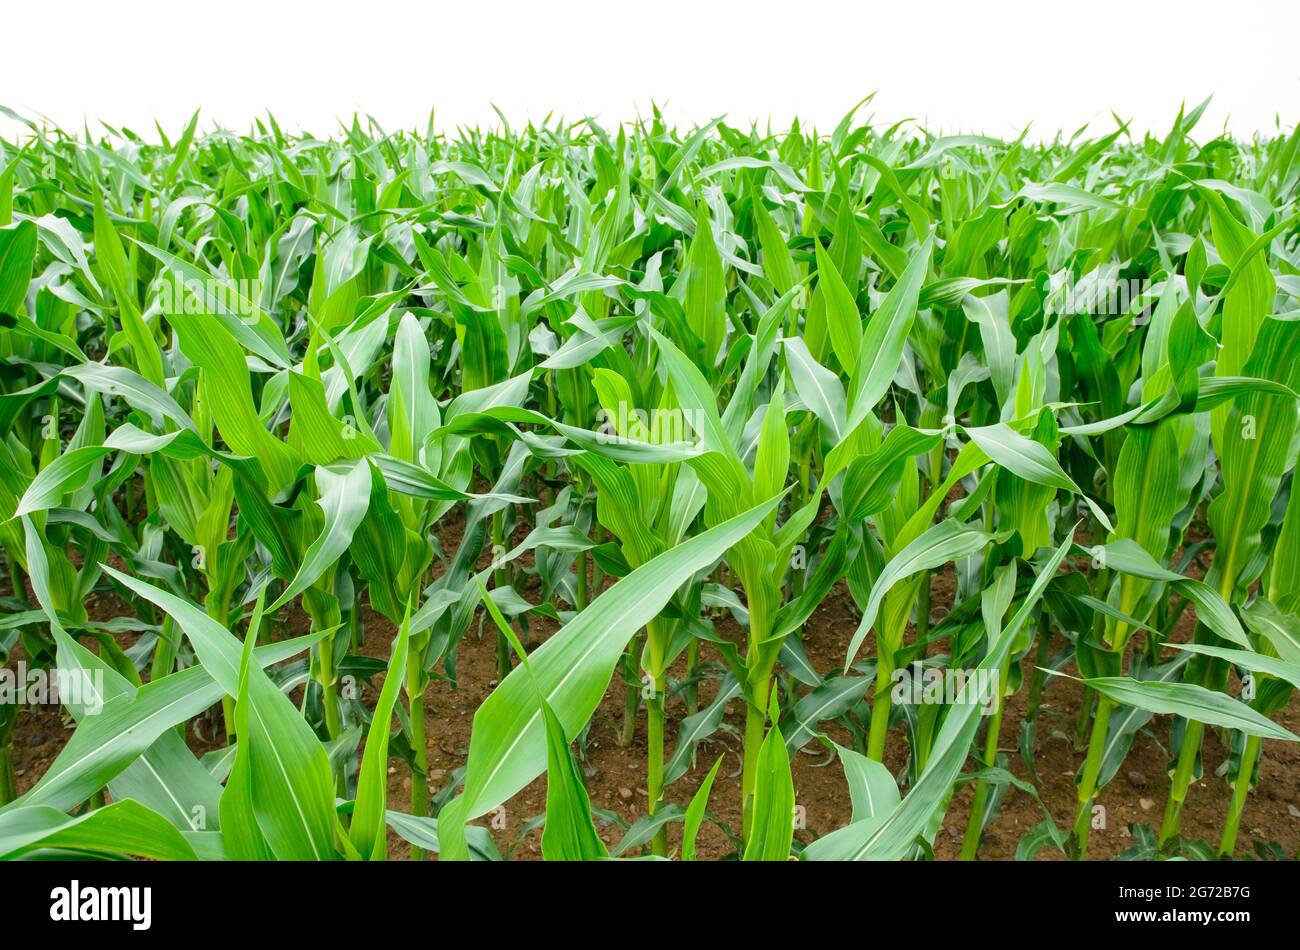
[923,609]
[691,693]
[330,702]
[580,565]
[633,697]
[1091,771]
[799,578]
[1182,780]
[500,579]
[1085,717]
[1038,677]
[658,633]
[655,763]
[1240,789]
[755,732]
[420,770]
[228,718]
[881,705]
[597,576]
[8,781]
[975,823]
[328,678]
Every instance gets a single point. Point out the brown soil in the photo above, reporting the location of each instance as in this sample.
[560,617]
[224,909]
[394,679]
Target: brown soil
[615,774]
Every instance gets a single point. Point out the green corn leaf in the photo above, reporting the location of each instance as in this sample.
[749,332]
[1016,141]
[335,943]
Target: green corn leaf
[573,667]
[290,780]
[695,812]
[1191,702]
[122,828]
[367,828]
[773,822]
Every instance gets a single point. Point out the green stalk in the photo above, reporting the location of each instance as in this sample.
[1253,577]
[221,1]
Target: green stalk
[882,701]
[658,633]
[631,701]
[333,716]
[1038,677]
[597,576]
[755,732]
[328,681]
[799,579]
[1096,746]
[8,780]
[760,659]
[881,705]
[1182,780]
[1240,789]
[420,770]
[228,718]
[975,823]
[923,608]
[164,659]
[580,566]
[1085,717]
[1091,771]
[655,763]
[501,580]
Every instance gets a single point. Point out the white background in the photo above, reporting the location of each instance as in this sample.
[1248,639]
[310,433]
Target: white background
[992,67]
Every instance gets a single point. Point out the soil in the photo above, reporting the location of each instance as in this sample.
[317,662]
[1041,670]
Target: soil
[615,774]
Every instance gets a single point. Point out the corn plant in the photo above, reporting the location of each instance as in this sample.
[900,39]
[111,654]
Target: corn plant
[291,427]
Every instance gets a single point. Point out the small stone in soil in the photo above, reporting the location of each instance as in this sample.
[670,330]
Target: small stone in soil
[1146,803]
[625,793]
[35,739]
[1137,779]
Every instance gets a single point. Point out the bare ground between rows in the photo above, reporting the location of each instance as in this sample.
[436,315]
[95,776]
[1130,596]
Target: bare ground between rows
[615,774]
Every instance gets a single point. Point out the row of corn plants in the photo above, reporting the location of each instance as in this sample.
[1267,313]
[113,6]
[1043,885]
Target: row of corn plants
[665,385]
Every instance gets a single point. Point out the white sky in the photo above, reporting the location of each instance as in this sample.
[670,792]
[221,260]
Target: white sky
[975,66]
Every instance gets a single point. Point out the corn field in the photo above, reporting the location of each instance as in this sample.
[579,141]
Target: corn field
[638,492]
